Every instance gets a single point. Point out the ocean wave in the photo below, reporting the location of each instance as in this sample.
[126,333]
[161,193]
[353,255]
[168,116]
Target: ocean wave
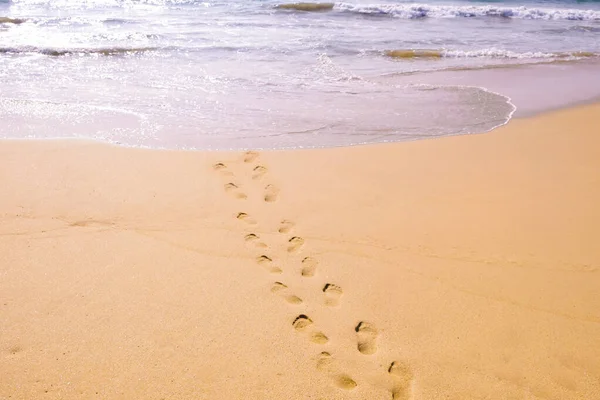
[107,51]
[484,53]
[416,11]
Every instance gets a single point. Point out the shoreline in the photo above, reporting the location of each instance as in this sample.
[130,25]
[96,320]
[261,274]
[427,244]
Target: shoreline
[429,269]
[520,94]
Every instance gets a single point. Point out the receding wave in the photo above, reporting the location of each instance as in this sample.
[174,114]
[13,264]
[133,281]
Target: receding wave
[306,6]
[416,11]
[16,21]
[484,53]
[107,51]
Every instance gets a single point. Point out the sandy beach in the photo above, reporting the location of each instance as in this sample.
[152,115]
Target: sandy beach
[466,267]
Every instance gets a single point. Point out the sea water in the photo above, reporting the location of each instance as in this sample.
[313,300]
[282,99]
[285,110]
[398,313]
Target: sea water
[191,74]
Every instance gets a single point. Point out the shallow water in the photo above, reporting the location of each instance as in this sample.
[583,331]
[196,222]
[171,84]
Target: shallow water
[238,74]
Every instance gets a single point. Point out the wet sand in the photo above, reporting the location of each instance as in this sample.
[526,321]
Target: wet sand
[457,268]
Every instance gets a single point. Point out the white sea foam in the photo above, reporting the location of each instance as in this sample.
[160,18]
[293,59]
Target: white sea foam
[415,11]
[501,53]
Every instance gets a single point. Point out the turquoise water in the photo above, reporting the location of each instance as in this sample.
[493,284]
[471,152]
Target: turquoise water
[194,74]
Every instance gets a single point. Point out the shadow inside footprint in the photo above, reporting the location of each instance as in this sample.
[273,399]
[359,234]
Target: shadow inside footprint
[366,335]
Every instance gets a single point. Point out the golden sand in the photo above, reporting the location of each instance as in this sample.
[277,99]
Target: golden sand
[457,268]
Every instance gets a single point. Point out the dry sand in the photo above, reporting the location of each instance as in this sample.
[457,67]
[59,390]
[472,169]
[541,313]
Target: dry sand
[459,268]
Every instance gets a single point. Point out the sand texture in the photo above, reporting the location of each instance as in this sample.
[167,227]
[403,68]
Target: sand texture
[456,268]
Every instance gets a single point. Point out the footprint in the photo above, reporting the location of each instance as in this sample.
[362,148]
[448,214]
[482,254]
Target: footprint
[267,263]
[366,335]
[222,168]
[271,193]
[333,293]
[250,156]
[252,238]
[326,364]
[319,338]
[302,322]
[286,226]
[324,361]
[258,171]
[234,190]
[281,289]
[403,380]
[246,218]
[309,266]
[295,243]
[343,381]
